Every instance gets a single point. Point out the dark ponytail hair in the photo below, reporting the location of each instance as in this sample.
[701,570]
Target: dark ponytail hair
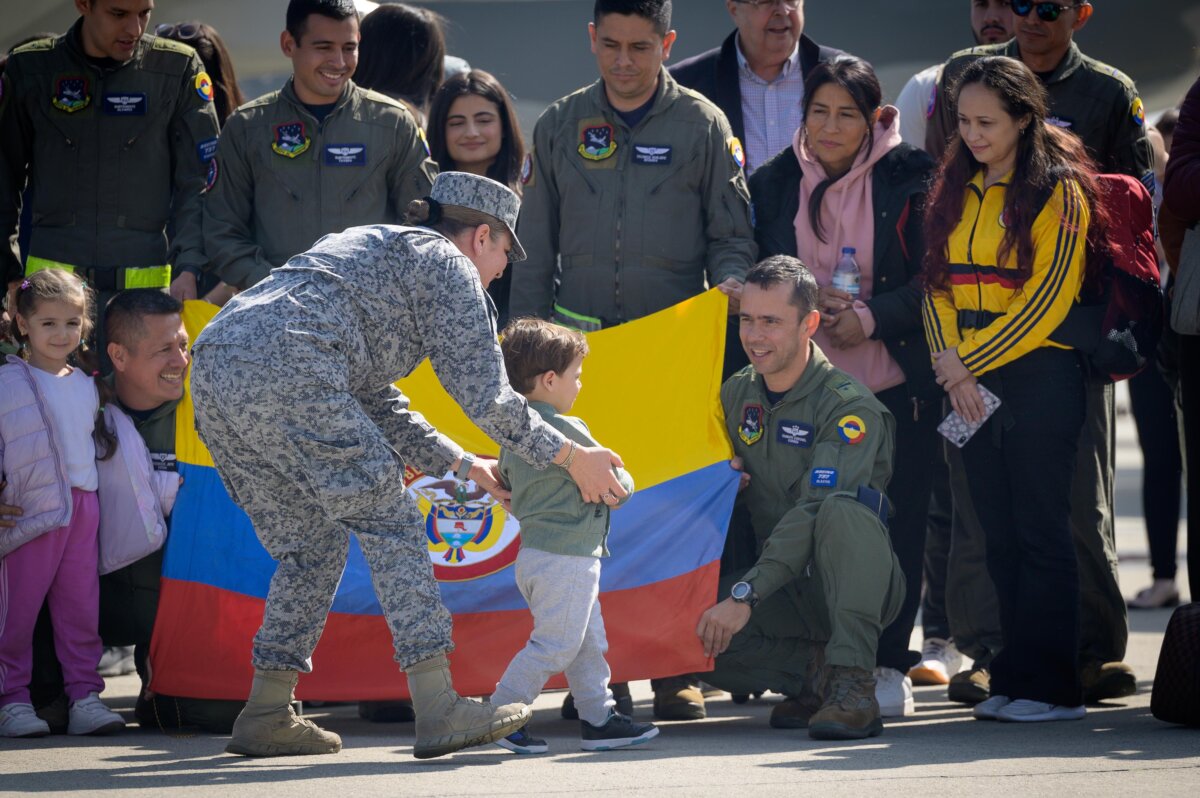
[1046,156]
[859,80]
[58,285]
[451,220]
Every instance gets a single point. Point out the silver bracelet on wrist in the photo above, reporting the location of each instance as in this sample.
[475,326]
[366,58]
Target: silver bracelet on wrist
[565,465]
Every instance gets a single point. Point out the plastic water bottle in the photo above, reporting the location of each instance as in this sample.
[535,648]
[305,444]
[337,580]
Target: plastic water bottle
[846,275]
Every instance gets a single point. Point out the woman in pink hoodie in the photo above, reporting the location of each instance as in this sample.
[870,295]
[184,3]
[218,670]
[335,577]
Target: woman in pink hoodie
[849,182]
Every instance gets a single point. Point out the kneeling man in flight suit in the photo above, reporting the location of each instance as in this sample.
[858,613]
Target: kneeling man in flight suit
[816,451]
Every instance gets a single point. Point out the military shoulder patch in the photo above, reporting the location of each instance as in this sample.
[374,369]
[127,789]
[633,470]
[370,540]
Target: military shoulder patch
[737,152]
[204,87]
[424,141]
[36,46]
[1138,112]
[852,429]
[527,169]
[171,46]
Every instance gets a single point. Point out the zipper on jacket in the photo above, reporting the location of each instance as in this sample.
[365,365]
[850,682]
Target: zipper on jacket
[971,248]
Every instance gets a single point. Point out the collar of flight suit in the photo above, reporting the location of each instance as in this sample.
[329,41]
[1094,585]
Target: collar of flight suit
[289,94]
[814,376]
[73,42]
[1070,63]
[664,96]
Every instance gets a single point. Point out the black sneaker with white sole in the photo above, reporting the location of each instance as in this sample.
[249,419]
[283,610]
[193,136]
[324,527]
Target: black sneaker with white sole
[522,742]
[619,731]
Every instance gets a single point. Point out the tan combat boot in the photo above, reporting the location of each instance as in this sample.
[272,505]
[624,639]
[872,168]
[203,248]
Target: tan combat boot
[796,711]
[850,711]
[677,698]
[446,722]
[269,727]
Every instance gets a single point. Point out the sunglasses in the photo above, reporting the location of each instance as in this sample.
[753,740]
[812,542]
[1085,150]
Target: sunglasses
[1047,12]
[789,5]
[184,31]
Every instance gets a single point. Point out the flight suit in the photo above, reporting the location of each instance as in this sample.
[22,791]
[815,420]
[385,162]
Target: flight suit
[116,156]
[281,180]
[819,461]
[621,223]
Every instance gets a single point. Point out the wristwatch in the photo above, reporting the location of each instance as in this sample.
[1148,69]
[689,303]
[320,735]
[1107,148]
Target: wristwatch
[464,466]
[743,593]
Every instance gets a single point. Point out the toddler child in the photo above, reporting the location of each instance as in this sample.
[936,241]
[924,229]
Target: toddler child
[562,541]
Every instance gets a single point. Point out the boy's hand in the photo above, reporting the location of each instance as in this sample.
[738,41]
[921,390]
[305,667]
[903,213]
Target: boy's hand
[9,513]
[485,472]
[719,624]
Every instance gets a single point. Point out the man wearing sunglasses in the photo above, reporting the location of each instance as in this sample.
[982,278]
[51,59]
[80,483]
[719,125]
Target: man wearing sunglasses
[112,128]
[1100,105]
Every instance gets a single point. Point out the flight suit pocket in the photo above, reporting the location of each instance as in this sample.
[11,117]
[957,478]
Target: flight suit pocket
[349,475]
[55,161]
[673,217]
[823,477]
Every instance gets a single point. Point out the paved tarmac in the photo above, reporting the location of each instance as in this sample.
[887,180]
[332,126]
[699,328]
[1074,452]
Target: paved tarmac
[1119,749]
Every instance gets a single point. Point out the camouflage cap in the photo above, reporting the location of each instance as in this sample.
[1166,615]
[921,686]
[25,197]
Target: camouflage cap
[484,195]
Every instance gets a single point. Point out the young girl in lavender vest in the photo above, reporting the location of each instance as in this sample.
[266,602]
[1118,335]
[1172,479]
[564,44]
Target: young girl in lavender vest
[50,438]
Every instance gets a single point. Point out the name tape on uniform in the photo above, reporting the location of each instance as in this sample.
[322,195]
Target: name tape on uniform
[125,104]
[651,155]
[346,155]
[795,433]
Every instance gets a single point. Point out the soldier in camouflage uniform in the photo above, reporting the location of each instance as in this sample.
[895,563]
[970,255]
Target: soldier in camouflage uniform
[816,447]
[292,383]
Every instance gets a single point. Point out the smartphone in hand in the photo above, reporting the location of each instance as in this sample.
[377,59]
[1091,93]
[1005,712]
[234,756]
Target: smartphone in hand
[958,430]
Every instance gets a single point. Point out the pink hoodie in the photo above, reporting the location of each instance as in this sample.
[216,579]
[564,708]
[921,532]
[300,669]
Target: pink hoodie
[848,220]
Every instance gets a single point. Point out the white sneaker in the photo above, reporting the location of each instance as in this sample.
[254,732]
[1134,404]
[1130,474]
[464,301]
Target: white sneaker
[19,720]
[893,692]
[939,661]
[989,708]
[90,716]
[1025,711]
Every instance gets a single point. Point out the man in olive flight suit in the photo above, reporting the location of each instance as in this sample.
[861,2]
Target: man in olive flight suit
[114,130]
[316,157]
[1100,104]
[816,450]
[634,200]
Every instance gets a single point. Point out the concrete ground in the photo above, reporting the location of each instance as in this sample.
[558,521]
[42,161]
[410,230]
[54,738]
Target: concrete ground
[1119,749]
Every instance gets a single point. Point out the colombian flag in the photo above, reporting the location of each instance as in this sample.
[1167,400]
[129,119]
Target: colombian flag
[651,394]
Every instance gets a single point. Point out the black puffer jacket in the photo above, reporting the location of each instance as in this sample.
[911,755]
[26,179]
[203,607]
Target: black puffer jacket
[899,183]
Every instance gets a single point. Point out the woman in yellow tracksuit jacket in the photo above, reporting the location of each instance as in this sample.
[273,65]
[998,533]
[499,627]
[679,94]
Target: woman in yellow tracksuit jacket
[1004,266]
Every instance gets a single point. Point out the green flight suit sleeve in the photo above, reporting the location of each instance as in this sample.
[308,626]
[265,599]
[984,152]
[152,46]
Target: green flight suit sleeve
[1130,153]
[16,137]
[727,227]
[412,171]
[838,469]
[532,291]
[229,212]
[194,120]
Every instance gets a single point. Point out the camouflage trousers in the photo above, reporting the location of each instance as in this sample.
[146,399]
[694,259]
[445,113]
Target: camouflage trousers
[310,467]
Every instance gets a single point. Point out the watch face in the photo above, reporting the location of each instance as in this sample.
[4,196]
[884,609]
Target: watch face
[741,591]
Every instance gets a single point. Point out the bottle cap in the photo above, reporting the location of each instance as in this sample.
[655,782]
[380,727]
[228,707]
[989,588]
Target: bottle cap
[848,250]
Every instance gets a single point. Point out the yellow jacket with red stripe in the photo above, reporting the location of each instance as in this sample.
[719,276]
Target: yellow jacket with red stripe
[988,314]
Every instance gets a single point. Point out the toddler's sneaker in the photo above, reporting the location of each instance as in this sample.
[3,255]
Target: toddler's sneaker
[90,716]
[619,731]
[989,709]
[939,661]
[19,720]
[1024,710]
[522,742]
[893,692]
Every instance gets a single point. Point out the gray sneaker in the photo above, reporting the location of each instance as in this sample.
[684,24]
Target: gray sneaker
[619,731]
[116,661]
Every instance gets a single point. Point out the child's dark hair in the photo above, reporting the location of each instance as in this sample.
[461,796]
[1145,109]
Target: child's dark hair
[57,285]
[532,347]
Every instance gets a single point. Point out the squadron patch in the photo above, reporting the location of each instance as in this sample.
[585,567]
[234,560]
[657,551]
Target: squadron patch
[71,94]
[206,150]
[598,142]
[204,87]
[210,179]
[290,140]
[1138,111]
[852,429]
[751,428]
[527,169]
[932,105]
[824,478]
[739,154]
